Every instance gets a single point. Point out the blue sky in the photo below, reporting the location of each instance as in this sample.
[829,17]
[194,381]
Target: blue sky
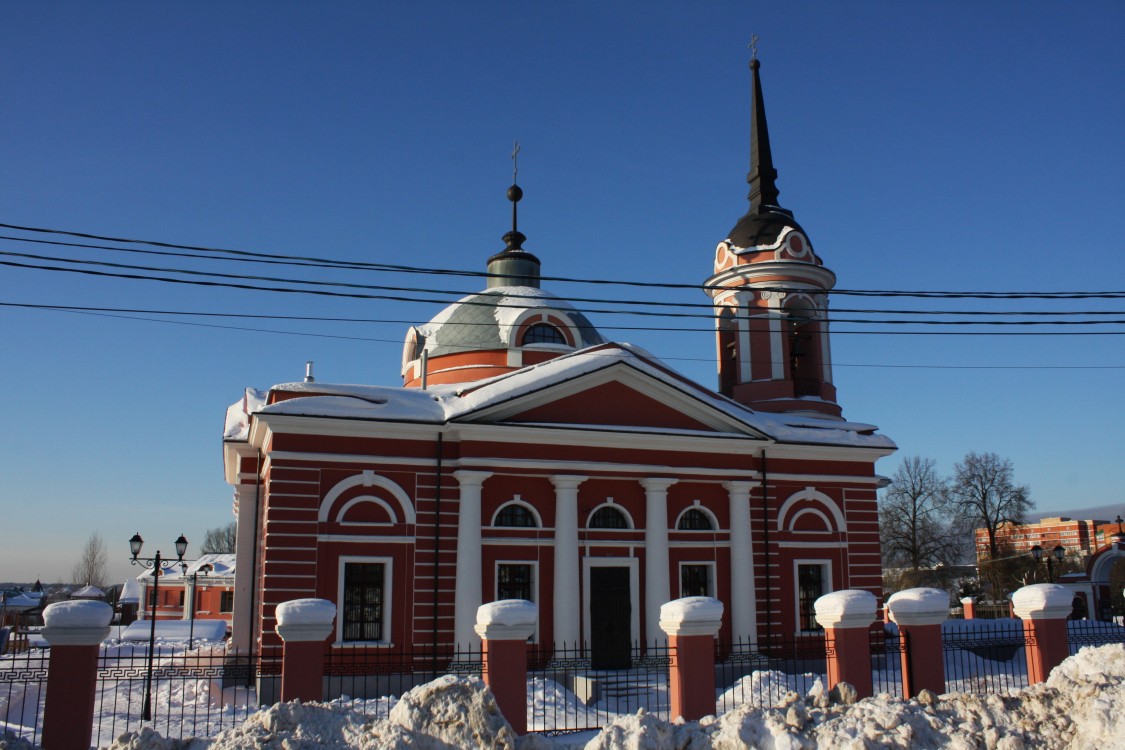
[923,146]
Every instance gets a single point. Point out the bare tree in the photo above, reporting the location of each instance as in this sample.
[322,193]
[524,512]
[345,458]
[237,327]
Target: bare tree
[220,540]
[92,567]
[915,524]
[985,492]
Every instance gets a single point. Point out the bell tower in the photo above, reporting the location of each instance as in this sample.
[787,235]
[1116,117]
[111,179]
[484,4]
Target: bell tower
[769,290]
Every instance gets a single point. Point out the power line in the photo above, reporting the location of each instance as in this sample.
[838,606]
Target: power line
[622,282]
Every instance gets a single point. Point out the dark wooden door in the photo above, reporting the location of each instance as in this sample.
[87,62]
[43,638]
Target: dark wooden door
[610,617]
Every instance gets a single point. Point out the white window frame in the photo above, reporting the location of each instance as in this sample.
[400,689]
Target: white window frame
[388,600]
[826,579]
[534,564]
[712,584]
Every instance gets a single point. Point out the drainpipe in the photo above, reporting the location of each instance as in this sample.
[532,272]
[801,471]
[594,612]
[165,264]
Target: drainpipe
[437,533]
[766,544]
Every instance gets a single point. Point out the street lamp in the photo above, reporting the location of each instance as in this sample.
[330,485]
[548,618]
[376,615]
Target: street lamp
[157,565]
[1059,552]
[205,568]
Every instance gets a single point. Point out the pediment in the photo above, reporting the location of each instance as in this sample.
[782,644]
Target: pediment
[618,396]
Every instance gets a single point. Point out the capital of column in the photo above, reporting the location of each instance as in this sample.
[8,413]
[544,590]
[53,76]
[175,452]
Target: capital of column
[471,478]
[740,487]
[567,481]
[657,484]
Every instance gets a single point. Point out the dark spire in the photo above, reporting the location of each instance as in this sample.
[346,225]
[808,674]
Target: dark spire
[514,266]
[762,177]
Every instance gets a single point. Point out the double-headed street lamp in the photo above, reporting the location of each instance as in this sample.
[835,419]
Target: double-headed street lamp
[1039,553]
[157,565]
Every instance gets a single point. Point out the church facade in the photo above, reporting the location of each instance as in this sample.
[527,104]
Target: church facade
[527,456]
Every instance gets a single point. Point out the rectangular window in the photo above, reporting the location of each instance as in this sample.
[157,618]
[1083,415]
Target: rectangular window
[363,601]
[695,580]
[181,602]
[810,587]
[226,601]
[513,581]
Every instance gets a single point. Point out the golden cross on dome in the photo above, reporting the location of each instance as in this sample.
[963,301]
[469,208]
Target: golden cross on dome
[753,47]
[515,160]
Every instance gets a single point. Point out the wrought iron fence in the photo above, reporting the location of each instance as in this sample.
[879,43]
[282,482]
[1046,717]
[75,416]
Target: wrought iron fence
[23,689]
[1093,633]
[886,662]
[984,656]
[372,680]
[763,672]
[569,690]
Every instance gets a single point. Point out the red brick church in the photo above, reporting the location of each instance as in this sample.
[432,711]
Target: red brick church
[528,456]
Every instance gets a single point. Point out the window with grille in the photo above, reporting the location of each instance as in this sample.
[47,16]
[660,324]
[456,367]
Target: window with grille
[810,587]
[608,517]
[514,514]
[695,580]
[226,601]
[513,581]
[541,333]
[694,520]
[364,587]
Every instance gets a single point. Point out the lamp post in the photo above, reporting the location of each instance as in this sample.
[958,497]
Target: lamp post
[1059,552]
[157,565]
[205,568]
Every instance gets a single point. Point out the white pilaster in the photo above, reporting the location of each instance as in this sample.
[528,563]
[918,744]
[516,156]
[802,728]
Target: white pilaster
[742,315]
[743,604]
[468,594]
[567,603]
[245,550]
[657,586]
[777,341]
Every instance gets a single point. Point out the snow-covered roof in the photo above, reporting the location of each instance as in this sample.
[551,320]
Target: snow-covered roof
[131,592]
[450,403]
[88,592]
[222,566]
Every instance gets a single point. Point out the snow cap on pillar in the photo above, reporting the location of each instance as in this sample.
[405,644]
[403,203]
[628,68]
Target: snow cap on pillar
[850,608]
[76,622]
[507,619]
[692,615]
[921,606]
[1043,601]
[305,619]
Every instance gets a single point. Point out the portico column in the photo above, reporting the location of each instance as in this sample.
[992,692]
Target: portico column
[743,597]
[657,587]
[468,596]
[245,549]
[567,602]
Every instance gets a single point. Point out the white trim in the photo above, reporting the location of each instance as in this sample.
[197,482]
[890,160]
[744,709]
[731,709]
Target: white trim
[715,528]
[826,588]
[368,479]
[812,512]
[633,564]
[367,499]
[620,509]
[388,598]
[810,493]
[535,596]
[366,538]
[712,577]
[523,503]
[818,545]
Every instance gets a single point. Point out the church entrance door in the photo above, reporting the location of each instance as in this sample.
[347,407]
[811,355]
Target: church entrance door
[610,616]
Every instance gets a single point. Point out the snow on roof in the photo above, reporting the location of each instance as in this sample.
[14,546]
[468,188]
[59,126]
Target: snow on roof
[238,419]
[88,592]
[21,601]
[443,403]
[131,592]
[222,566]
[176,630]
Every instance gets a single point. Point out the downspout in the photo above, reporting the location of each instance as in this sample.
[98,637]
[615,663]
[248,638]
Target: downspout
[766,544]
[437,541]
[255,622]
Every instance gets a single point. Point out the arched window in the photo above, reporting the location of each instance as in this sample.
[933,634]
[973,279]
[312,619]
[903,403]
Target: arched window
[694,519]
[802,330]
[514,514]
[608,517]
[542,333]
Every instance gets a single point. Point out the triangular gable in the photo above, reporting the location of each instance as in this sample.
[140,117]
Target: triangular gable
[616,395]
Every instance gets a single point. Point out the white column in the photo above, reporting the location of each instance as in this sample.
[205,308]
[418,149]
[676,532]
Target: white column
[567,602]
[777,340]
[657,588]
[742,315]
[245,550]
[743,604]
[468,594]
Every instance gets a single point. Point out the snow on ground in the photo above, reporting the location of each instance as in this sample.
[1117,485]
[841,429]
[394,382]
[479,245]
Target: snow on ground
[1081,706]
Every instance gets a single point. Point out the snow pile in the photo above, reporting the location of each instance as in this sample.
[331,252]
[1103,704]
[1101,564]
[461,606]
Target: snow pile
[306,612]
[78,613]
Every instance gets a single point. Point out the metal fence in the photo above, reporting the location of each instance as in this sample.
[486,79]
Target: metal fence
[23,688]
[569,689]
[1093,633]
[763,672]
[984,656]
[372,680]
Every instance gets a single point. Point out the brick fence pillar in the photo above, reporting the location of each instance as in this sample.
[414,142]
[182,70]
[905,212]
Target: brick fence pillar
[303,625]
[846,617]
[969,607]
[691,624]
[504,628]
[1044,607]
[919,614]
[74,629]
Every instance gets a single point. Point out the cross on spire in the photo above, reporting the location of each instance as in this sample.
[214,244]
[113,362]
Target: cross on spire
[753,47]
[515,160]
